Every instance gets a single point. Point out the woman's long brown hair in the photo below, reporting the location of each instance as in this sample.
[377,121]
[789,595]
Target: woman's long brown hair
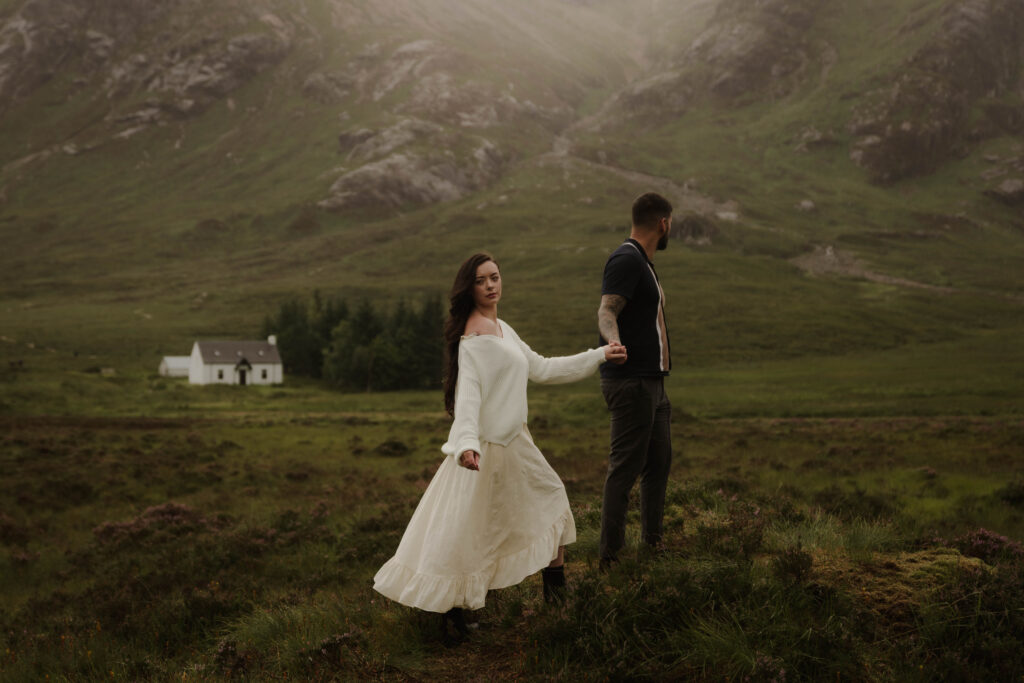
[460,306]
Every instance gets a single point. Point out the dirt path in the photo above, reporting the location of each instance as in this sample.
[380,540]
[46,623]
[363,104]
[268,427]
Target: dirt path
[685,196]
[830,261]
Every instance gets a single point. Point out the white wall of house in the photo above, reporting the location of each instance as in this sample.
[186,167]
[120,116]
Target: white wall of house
[196,369]
[174,366]
[229,373]
[274,373]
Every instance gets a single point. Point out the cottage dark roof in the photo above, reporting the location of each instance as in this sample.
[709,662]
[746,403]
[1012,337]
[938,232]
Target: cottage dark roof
[234,351]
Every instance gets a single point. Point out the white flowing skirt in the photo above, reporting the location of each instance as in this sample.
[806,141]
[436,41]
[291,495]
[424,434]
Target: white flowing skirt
[474,531]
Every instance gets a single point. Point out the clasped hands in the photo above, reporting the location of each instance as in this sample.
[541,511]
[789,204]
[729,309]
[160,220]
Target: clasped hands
[614,352]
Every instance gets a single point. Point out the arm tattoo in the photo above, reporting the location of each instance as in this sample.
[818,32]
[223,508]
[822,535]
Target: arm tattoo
[608,316]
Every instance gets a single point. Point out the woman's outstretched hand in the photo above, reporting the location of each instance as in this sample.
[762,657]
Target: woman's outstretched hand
[615,352]
[470,460]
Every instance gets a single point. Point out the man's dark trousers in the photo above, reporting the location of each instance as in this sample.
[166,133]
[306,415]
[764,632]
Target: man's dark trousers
[641,446]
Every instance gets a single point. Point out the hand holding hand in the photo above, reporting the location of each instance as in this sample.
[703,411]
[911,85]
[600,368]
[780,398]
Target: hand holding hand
[470,460]
[615,352]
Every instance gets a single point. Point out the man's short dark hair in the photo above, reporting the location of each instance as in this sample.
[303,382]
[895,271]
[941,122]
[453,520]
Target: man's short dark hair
[649,208]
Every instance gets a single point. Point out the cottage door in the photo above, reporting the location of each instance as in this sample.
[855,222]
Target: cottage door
[241,377]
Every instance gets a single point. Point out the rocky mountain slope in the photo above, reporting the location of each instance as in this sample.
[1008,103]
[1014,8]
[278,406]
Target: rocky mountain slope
[232,124]
[421,113]
[963,85]
[433,101]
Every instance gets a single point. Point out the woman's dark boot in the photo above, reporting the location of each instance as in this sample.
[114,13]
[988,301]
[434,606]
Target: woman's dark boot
[554,584]
[458,620]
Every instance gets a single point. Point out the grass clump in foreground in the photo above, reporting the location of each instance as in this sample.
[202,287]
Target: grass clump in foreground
[244,547]
[745,590]
[764,591]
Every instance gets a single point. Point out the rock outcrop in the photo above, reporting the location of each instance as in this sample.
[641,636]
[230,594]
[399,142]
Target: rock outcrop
[760,47]
[428,75]
[182,68]
[1010,191]
[434,152]
[749,50]
[925,117]
[694,228]
[415,175]
[327,88]
[36,42]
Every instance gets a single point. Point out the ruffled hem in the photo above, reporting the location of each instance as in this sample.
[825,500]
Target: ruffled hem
[441,593]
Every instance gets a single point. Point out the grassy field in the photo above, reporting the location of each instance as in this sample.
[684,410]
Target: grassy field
[152,530]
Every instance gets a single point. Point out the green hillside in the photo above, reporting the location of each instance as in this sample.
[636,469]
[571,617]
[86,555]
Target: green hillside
[128,246]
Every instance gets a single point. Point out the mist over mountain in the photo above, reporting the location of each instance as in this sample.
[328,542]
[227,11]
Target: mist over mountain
[433,99]
[187,138]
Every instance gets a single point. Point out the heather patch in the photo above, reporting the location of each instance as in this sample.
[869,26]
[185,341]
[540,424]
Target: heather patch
[989,546]
[246,549]
[155,523]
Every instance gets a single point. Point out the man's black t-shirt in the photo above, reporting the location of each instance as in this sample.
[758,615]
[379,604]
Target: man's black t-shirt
[642,328]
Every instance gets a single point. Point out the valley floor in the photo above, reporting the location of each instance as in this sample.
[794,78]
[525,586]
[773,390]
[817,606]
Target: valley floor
[242,544]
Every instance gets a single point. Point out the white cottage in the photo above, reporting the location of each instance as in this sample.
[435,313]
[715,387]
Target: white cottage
[174,366]
[235,362]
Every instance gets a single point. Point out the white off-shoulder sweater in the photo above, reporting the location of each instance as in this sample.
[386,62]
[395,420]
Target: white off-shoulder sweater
[490,393]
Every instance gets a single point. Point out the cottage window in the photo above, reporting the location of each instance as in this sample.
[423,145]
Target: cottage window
[220,374]
[264,373]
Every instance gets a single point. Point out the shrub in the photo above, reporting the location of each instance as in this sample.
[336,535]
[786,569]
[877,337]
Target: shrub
[988,546]
[1012,494]
[742,531]
[856,504]
[970,626]
[792,565]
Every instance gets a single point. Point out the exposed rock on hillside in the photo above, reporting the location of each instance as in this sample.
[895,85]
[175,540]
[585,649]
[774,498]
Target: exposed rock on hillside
[753,47]
[409,63]
[327,88]
[364,144]
[185,67]
[205,69]
[750,49]
[1010,191]
[924,117]
[422,159]
[658,95]
[414,177]
[429,71]
[35,43]
[695,228]
[474,105]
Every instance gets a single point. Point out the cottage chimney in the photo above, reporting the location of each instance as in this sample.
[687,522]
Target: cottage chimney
[272,339]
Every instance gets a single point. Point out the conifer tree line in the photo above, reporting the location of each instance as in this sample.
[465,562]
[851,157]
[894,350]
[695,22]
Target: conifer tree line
[361,347]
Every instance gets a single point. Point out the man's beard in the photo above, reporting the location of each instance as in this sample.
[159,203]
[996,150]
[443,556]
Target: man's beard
[663,242]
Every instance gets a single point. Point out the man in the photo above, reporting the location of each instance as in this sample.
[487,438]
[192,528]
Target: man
[632,313]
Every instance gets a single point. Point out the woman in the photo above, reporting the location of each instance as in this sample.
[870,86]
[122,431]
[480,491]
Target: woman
[495,512]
